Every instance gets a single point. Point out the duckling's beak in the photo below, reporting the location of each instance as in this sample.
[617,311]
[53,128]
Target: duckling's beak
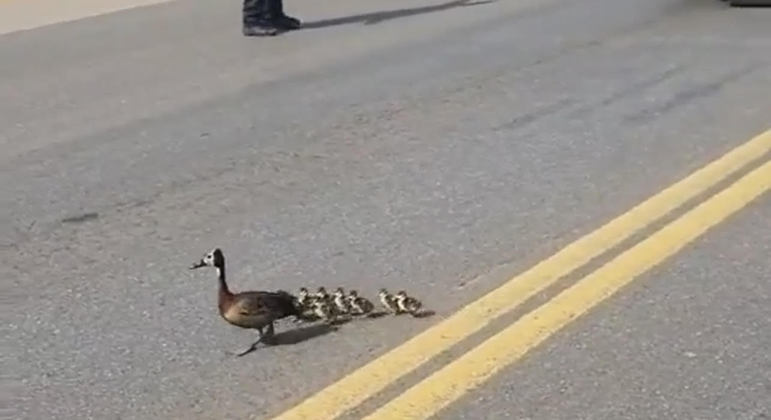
[199,264]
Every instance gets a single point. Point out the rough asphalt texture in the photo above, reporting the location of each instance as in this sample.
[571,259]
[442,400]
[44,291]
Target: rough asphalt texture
[689,340]
[399,144]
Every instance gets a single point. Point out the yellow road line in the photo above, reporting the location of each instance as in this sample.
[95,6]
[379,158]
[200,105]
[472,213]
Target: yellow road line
[373,377]
[473,368]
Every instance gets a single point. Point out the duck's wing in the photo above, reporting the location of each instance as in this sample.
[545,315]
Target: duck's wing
[366,304]
[275,304]
[249,311]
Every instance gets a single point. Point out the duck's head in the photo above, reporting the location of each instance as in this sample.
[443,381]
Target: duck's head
[213,258]
[383,292]
[303,291]
[401,294]
[353,293]
[339,292]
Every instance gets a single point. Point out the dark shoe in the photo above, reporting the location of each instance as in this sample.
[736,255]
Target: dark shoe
[253,10]
[275,8]
[259,29]
[287,22]
[256,18]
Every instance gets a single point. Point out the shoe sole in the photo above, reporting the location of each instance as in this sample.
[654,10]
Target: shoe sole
[266,33]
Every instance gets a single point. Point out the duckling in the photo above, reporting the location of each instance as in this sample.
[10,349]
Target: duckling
[303,297]
[407,303]
[305,302]
[323,310]
[388,301]
[322,294]
[251,309]
[359,305]
[340,301]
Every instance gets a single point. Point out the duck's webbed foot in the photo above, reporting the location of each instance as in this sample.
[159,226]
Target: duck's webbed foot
[265,337]
[251,348]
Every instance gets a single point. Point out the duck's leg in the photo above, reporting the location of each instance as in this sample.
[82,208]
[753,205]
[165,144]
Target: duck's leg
[254,345]
[267,338]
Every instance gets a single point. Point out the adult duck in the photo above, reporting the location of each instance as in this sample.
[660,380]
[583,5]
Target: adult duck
[250,309]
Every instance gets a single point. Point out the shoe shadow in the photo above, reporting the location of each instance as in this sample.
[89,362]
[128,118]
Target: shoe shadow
[378,17]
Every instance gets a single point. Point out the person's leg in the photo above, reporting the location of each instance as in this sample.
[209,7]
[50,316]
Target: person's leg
[256,19]
[280,19]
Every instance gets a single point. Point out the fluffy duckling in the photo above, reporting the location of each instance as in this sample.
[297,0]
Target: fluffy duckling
[322,294]
[359,305]
[388,301]
[407,303]
[304,297]
[305,302]
[323,310]
[340,301]
[252,309]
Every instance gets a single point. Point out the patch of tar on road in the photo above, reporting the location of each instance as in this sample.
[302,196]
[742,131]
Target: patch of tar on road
[631,90]
[81,218]
[527,118]
[687,96]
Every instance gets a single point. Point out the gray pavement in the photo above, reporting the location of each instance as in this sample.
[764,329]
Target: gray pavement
[399,144]
[689,340]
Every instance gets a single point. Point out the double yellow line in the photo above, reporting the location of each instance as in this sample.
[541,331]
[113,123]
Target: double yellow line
[446,385]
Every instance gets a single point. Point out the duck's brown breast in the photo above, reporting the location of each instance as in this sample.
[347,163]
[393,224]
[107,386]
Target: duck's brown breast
[236,315]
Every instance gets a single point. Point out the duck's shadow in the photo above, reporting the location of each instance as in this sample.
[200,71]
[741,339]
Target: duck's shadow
[421,314]
[293,336]
[424,314]
[301,334]
[298,335]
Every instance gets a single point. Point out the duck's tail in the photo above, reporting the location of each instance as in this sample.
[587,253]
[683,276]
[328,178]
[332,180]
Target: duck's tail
[288,302]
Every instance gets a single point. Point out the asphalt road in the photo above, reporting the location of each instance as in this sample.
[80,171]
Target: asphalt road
[688,340]
[415,145]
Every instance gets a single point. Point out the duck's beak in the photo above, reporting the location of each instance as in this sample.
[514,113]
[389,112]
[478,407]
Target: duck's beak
[199,264]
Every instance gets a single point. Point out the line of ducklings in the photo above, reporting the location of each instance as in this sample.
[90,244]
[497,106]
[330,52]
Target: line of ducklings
[260,309]
[331,307]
